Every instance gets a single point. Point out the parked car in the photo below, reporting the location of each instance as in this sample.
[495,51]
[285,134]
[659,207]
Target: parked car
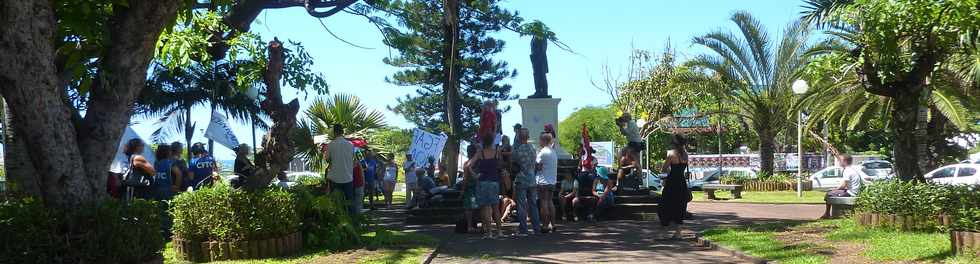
[714,176]
[956,174]
[970,161]
[652,181]
[877,169]
[832,177]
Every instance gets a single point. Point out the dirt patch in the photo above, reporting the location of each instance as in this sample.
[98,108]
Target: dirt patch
[813,239]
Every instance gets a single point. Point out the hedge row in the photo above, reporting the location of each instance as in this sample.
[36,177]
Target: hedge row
[900,198]
[109,232]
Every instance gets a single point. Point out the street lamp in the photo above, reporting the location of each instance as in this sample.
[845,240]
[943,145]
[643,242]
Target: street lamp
[799,88]
[644,162]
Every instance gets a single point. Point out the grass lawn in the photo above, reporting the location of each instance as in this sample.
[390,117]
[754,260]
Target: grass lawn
[836,241]
[390,247]
[814,197]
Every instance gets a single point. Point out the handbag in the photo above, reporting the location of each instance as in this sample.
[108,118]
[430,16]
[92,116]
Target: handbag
[136,178]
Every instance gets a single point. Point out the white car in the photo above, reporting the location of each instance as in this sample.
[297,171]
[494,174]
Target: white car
[831,177]
[956,174]
[877,169]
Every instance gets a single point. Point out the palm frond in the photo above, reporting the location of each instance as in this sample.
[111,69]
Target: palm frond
[952,108]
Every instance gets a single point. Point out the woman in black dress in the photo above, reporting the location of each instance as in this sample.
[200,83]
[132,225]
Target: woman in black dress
[675,192]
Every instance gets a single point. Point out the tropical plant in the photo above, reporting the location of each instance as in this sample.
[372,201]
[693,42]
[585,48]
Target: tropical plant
[598,119]
[899,50]
[171,94]
[756,74]
[343,109]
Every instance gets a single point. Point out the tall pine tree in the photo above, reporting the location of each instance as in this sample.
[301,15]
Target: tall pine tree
[422,55]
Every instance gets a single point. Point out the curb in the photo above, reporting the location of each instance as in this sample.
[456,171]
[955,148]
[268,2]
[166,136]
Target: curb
[740,202]
[702,242]
[432,255]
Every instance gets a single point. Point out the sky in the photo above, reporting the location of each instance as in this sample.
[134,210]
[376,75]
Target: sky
[601,33]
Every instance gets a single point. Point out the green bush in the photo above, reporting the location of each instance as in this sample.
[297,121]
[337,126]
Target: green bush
[326,222]
[223,213]
[961,202]
[906,198]
[106,232]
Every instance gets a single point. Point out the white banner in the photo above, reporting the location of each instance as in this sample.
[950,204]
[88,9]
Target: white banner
[120,159]
[220,131]
[425,145]
[605,153]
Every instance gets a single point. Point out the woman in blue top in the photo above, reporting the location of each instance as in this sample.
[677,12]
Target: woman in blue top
[167,180]
[487,166]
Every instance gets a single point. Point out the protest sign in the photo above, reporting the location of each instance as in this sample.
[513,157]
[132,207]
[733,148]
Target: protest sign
[425,145]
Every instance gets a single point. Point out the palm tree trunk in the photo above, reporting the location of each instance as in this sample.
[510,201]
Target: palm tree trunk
[188,132]
[767,146]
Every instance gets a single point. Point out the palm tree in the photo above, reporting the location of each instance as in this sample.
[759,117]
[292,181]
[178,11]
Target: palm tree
[757,75]
[171,94]
[343,109]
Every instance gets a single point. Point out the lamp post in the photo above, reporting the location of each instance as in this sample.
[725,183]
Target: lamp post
[799,88]
[644,162]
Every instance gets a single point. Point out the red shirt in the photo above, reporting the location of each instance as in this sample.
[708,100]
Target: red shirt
[358,175]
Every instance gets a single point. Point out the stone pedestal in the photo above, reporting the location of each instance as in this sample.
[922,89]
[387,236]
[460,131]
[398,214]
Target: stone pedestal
[538,112]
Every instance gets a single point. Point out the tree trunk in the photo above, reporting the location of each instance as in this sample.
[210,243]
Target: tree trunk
[451,85]
[767,146]
[71,159]
[904,122]
[20,171]
[277,147]
[188,132]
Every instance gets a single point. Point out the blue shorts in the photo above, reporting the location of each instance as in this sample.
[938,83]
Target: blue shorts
[488,193]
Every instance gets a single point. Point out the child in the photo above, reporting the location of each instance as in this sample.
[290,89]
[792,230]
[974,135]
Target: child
[569,187]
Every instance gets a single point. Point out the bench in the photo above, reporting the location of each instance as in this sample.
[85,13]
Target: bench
[709,190]
[839,206]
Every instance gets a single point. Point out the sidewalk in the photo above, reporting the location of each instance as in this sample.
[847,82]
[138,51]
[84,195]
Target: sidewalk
[607,241]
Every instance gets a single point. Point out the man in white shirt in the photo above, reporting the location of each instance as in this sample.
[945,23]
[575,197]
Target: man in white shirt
[850,187]
[546,176]
[340,154]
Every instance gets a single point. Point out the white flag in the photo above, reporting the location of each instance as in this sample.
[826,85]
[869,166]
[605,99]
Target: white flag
[220,131]
[121,158]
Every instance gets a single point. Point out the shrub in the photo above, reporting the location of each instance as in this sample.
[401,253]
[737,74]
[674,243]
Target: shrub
[107,232]
[222,213]
[905,198]
[326,222]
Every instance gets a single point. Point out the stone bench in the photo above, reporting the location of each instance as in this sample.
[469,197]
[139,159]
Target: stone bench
[709,190]
[839,206]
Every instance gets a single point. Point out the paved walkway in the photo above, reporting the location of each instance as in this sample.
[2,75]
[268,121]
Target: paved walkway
[609,241]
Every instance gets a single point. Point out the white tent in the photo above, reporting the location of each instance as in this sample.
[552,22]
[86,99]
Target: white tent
[117,163]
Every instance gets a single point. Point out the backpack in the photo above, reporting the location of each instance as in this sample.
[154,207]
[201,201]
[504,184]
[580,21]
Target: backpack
[136,178]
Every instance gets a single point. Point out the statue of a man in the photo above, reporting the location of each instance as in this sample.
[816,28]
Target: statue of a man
[539,62]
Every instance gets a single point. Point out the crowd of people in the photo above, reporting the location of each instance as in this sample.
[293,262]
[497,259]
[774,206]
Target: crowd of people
[166,177]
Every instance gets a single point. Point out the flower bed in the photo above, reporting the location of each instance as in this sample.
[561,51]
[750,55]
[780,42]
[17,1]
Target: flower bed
[222,223]
[197,251]
[765,183]
[902,222]
[965,243]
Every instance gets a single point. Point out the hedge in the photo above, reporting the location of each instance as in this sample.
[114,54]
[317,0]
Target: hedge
[222,213]
[925,200]
[109,231]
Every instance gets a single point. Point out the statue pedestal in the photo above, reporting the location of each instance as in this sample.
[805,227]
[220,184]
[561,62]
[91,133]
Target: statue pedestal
[538,112]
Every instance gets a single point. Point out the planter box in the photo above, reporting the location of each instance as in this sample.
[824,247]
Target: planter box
[965,243]
[755,186]
[901,222]
[206,251]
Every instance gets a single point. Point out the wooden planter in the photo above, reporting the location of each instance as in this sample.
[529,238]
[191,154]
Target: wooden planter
[901,222]
[965,243]
[206,251]
[755,186]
